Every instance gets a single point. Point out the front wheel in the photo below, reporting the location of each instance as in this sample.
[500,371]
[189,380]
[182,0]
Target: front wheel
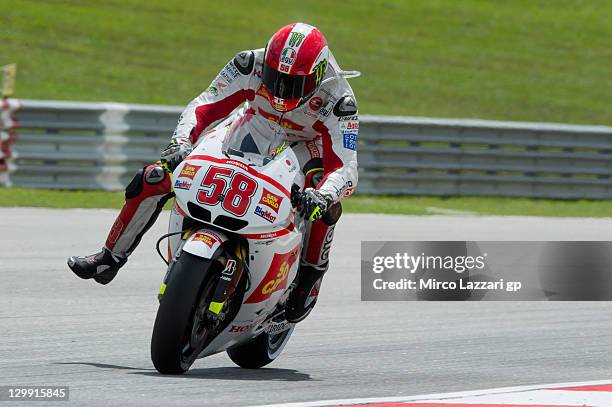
[181,328]
[261,350]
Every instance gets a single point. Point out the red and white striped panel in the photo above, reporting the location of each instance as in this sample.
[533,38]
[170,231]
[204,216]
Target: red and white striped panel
[584,394]
[8,122]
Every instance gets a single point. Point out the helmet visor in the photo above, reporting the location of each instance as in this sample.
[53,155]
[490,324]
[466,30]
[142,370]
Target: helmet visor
[285,86]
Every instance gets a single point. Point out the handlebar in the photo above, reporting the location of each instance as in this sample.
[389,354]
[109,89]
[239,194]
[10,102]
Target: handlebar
[296,195]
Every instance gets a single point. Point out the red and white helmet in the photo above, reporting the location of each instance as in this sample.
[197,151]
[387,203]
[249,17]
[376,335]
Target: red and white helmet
[295,63]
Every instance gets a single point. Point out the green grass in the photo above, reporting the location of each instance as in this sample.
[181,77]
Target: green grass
[407,205]
[508,60]
[514,60]
[48,198]
[429,205]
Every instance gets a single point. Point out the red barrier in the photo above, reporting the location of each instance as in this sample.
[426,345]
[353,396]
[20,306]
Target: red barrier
[8,124]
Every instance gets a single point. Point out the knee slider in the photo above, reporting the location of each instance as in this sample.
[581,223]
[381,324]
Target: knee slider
[135,186]
[316,178]
[154,174]
[332,216]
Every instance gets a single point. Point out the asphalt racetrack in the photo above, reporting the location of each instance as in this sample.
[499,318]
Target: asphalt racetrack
[56,329]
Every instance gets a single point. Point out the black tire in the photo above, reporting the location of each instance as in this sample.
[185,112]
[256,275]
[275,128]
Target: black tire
[261,350]
[190,282]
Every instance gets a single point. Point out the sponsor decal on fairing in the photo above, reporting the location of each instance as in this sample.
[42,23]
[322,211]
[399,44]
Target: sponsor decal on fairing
[182,184]
[292,166]
[238,164]
[271,200]
[264,213]
[205,238]
[189,171]
[276,276]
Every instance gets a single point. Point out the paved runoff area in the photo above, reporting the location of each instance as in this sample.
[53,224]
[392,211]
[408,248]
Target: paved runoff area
[58,330]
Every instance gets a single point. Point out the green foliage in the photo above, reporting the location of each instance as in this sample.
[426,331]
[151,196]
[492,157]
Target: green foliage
[513,60]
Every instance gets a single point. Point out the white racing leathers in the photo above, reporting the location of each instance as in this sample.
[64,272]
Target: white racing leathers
[328,119]
[323,133]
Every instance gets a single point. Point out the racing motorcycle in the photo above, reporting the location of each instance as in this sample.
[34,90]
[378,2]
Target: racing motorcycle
[234,246]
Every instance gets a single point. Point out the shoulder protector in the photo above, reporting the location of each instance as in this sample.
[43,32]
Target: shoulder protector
[244,62]
[346,106]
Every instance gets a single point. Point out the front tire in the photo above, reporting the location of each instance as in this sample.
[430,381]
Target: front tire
[261,350]
[178,335]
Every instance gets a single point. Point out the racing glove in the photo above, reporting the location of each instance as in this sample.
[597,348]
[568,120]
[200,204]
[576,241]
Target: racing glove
[313,204]
[177,150]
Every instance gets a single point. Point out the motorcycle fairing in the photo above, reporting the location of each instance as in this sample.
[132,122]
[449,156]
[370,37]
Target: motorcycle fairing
[204,243]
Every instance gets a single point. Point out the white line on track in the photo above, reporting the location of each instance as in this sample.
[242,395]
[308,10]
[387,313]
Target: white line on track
[469,396]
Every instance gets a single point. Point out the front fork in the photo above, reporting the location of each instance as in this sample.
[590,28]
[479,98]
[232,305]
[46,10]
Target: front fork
[234,266]
[232,258]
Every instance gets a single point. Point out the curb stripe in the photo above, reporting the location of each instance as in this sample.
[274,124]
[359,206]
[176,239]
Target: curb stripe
[603,387]
[454,405]
[413,401]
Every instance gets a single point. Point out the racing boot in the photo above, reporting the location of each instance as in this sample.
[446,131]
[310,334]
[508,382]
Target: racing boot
[102,266]
[145,197]
[303,297]
[314,264]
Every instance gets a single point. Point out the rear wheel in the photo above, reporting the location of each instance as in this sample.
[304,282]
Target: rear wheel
[261,350]
[181,328]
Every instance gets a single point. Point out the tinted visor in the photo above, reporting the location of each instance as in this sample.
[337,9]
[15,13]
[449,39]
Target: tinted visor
[285,86]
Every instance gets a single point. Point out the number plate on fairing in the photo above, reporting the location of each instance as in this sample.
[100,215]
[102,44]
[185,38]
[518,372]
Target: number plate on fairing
[239,197]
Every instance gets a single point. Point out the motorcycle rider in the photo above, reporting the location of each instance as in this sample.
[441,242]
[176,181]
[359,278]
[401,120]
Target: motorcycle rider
[296,82]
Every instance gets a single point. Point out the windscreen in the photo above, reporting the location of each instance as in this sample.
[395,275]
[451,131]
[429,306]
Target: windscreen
[254,139]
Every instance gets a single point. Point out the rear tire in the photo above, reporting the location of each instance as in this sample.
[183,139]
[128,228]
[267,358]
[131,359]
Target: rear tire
[189,283]
[261,350]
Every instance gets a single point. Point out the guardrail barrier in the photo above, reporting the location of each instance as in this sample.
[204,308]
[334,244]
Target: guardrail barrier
[76,145]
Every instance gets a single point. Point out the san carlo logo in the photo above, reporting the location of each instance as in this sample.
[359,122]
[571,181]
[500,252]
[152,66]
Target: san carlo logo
[189,171]
[271,200]
[204,238]
[288,56]
[276,277]
[315,103]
